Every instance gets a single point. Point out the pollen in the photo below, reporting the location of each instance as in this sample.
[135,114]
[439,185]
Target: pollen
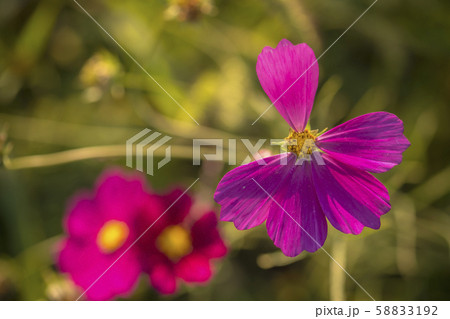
[175,242]
[112,236]
[301,143]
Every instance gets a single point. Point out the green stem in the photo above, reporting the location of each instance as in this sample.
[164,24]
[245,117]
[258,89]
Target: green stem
[80,154]
[337,276]
[95,152]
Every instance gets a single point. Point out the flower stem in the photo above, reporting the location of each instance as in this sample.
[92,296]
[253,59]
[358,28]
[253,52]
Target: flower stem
[337,276]
[93,152]
[79,154]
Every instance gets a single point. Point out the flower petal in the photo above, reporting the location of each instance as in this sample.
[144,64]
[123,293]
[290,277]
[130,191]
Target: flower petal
[83,220]
[373,142]
[162,277]
[158,212]
[87,266]
[289,74]
[177,205]
[350,197]
[206,238]
[119,196]
[242,200]
[194,268]
[296,221]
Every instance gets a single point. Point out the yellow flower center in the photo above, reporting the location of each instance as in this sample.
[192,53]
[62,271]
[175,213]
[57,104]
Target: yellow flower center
[112,236]
[175,242]
[301,143]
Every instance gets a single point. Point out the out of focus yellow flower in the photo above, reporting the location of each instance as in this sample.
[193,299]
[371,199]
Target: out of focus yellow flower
[99,74]
[189,10]
[100,69]
[60,288]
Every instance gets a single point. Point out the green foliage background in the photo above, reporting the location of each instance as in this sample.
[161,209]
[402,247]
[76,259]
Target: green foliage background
[65,85]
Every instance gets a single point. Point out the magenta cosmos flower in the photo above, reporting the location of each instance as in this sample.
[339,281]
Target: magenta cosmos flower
[103,226]
[322,176]
[179,247]
[100,227]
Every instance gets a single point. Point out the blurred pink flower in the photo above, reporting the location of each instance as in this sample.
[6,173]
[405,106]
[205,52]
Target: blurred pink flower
[98,253]
[100,227]
[177,247]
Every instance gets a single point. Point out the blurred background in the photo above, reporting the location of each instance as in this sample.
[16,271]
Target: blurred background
[70,97]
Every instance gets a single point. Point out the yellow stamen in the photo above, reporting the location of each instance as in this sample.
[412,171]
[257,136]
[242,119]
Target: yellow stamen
[175,242]
[301,143]
[112,236]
